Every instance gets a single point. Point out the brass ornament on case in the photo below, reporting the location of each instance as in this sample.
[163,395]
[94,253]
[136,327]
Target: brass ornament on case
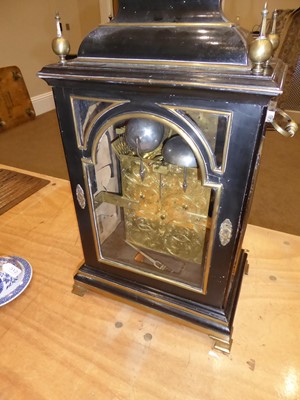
[225,232]
[60,45]
[80,196]
[261,48]
[273,35]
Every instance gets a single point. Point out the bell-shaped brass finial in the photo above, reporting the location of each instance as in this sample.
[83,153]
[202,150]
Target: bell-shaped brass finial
[261,48]
[60,45]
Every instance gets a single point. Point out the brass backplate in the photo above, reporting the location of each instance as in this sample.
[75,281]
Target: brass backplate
[172,212]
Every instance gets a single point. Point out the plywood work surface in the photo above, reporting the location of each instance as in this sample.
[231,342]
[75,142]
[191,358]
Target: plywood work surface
[56,345]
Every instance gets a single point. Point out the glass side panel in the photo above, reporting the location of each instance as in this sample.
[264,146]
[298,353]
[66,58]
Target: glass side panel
[214,127]
[84,111]
[152,213]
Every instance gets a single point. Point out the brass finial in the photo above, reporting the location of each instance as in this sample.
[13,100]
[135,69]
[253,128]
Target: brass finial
[273,35]
[60,45]
[264,13]
[261,48]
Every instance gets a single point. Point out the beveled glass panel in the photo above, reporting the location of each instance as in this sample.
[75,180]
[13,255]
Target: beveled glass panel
[215,127]
[84,112]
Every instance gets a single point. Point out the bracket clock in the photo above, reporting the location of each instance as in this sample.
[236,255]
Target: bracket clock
[162,116]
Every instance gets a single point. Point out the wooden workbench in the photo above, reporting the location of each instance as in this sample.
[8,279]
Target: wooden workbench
[56,345]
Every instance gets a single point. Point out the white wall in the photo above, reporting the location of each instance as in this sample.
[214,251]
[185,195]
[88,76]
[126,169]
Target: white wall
[26,32]
[106,10]
[249,11]
[28,27]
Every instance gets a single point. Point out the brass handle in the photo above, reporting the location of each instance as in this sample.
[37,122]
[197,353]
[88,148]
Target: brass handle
[290,129]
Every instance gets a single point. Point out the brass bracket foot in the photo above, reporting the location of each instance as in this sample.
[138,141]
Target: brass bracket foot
[246,270]
[79,290]
[221,344]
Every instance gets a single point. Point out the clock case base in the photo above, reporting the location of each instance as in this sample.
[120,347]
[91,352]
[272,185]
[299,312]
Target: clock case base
[215,322]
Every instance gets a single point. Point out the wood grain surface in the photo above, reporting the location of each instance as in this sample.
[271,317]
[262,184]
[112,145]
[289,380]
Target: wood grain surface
[56,345]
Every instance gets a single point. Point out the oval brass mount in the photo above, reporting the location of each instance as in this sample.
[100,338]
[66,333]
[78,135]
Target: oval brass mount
[225,232]
[80,196]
